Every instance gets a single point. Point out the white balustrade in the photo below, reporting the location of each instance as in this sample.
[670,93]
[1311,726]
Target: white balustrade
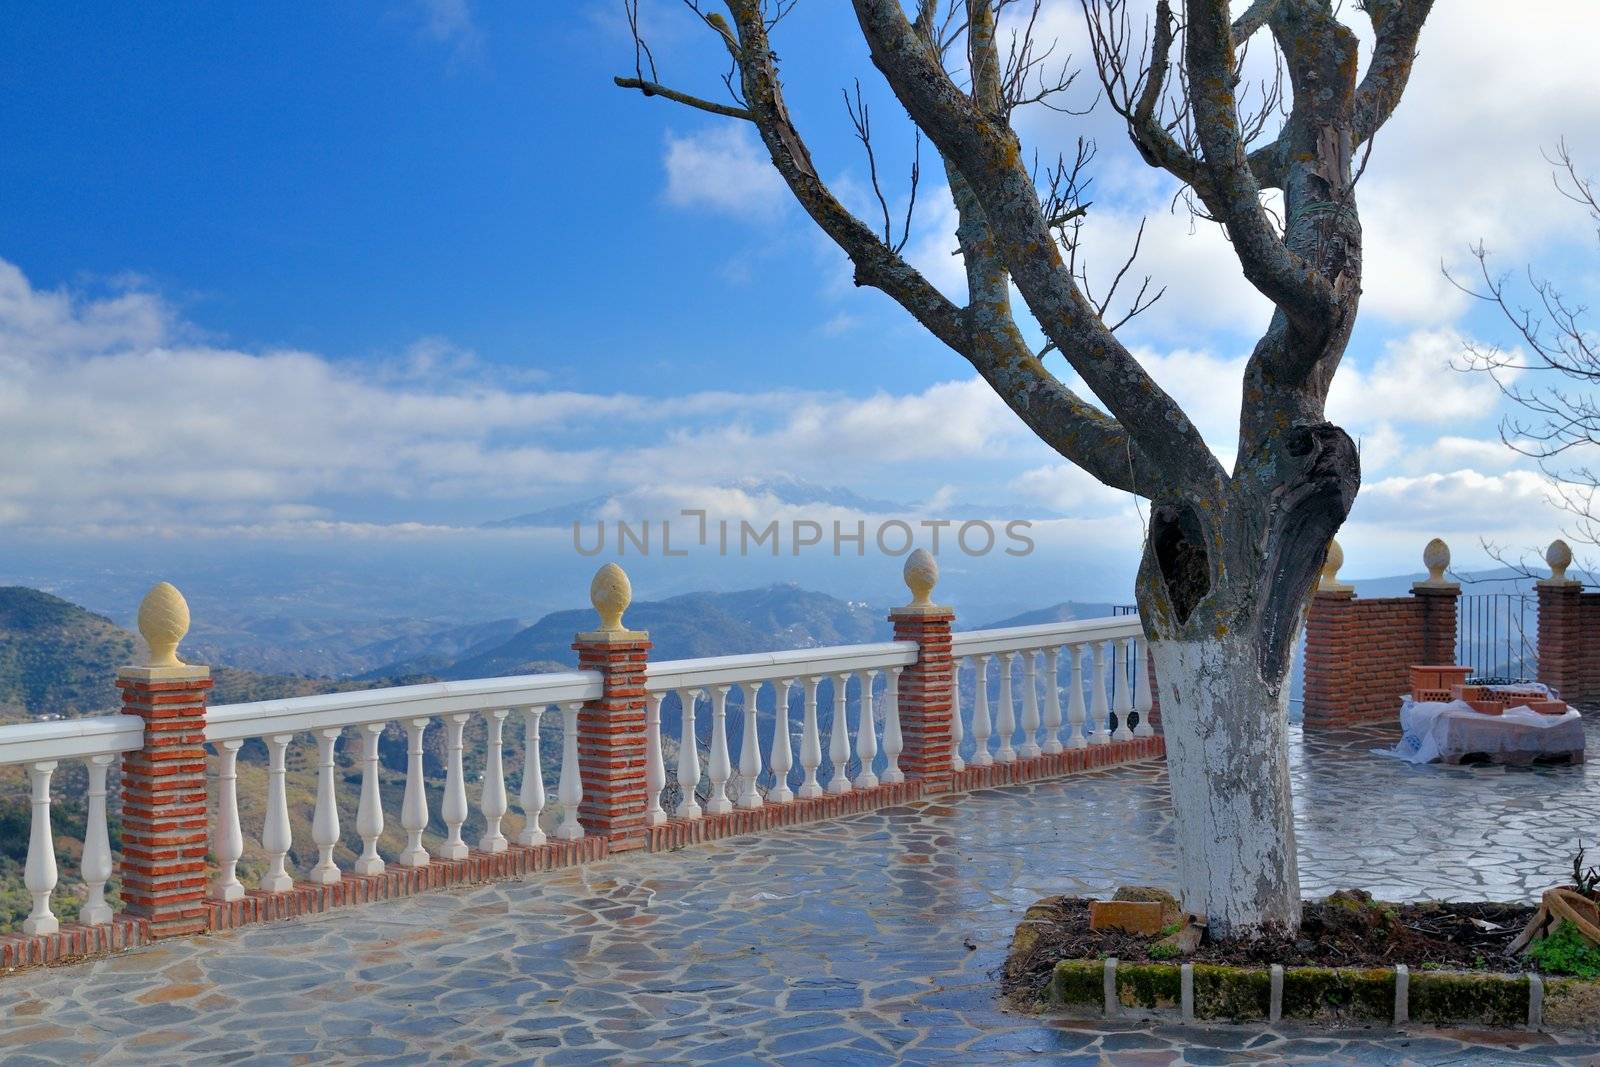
[782,759]
[454,809]
[718,770]
[227,841]
[369,813]
[688,758]
[1099,709]
[810,743]
[325,819]
[275,834]
[39,873]
[414,805]
[750,751]
[1075,709]
[96,867]
[1144,699]
[839,739]
[1005,722]
[1123,706]
[893,742]
[980,712]
[655,769]
[570,790]
[1030,706]
[1052,701]
[531,796]
[493,802]
[956,735]
[866,733]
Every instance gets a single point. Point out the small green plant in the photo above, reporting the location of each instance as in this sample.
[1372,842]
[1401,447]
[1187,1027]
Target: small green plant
[1566,951]
[1163,950]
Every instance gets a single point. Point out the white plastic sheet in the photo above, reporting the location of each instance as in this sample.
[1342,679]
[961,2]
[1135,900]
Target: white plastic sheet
[1450,729]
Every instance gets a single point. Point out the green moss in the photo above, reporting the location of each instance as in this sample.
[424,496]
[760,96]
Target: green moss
[1497,999]
[1079,982]
[1164,950]
[1326,993]
[1231,993]
[1149,985]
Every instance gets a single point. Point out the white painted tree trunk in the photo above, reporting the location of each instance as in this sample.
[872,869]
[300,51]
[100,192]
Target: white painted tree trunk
[1226,731]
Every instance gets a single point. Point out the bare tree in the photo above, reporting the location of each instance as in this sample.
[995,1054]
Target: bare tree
[1231,556]
[1551,376]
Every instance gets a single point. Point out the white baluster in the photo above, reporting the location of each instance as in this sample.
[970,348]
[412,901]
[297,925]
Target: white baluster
[956,762]
[1124,701]
[810,743]
[227,842]
[1005,720]
[1099,710]
[325,819]
[96,865]
[1052,701]
[688,759]
[1030,705]
[39,874]
[980,712]
[570,790]
[369,813]
[718,769]
[531,796]
[494,803]
[1144,697]
[866,733]
[782,758]
[839,738]
[655,771]
[275,835]
[750,750]
[454,808]
[893,742]
[1075,710]
[414,806]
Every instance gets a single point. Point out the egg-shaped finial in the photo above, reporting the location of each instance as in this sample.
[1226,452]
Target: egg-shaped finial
[1559,556]
[921,574]
[1329,582]
[1436,557]
[163,620]
[611,593]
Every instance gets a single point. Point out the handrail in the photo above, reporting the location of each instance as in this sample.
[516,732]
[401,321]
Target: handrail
[32,742]
[1044,635]
[777,666]
[233,722]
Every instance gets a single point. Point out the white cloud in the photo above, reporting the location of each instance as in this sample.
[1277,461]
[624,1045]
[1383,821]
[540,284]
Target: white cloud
[1068,489]
[1413,381]
[453,24]
[724,168]
[1461,501]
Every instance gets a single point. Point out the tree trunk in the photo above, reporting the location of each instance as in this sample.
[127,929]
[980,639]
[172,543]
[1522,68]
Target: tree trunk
[1223,590]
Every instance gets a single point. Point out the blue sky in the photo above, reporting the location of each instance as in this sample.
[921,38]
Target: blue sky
[382,268]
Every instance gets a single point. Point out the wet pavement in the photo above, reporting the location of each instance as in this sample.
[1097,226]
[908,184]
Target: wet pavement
[869,940]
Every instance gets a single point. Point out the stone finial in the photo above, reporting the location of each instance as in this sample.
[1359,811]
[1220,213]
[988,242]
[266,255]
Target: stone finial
[1329,582]
[1436,557]
[164,620]
[1559,557]
[611,593]
[921,574]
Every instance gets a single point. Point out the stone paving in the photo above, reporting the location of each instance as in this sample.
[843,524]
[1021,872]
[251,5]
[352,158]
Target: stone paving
[870,940]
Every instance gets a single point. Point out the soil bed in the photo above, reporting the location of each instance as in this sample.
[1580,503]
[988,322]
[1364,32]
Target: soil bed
[1342,931]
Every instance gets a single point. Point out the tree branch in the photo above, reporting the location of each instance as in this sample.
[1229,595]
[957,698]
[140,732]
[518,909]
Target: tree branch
[1397,25]
[649,88]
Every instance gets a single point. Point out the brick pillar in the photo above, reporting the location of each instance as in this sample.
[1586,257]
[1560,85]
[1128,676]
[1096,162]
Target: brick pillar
[1155,690]
[927,687]
[1332,636]
[611,727]
[164,828]
[1561,665]
[1438,603]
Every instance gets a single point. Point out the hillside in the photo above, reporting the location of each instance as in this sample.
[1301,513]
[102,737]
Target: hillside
[55,657]
[1066,611]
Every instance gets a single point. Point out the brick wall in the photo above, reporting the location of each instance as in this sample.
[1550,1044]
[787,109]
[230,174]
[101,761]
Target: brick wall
[1359,652]
[1569,657]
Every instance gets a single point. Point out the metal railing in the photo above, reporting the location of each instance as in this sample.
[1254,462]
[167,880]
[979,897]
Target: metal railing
[1497,635]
